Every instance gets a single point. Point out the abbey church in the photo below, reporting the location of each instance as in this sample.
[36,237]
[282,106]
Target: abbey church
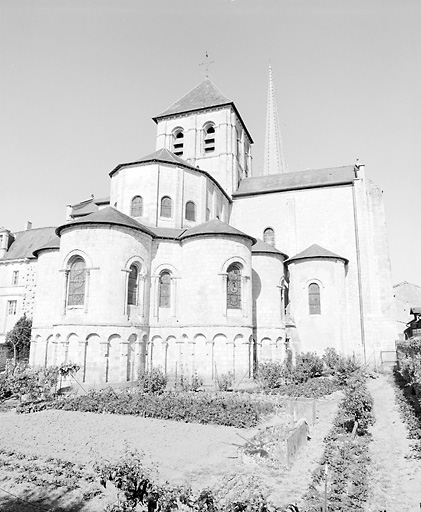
[197,265]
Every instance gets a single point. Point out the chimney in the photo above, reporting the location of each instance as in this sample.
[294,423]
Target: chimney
[28,225]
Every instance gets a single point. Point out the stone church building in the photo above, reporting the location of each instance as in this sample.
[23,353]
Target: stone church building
[196,264]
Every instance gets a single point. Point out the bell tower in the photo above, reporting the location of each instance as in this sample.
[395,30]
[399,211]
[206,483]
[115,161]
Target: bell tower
[205,128]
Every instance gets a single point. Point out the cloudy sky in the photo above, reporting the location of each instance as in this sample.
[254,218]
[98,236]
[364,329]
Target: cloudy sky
[81,79]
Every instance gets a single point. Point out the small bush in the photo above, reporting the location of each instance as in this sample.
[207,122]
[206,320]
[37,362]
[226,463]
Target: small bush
[226,381]
[307,365]
[357,404]
[270,375]
[153,381]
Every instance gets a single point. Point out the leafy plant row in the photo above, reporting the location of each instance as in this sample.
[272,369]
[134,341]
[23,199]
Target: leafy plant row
[51,472]
[410,411]
[137,490]
[234,409]
[342,476]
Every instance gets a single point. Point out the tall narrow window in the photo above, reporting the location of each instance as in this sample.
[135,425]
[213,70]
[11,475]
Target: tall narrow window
[209,139]
[166,207]
[76,286]
[190,211]
[165,289]
[234,286]
[136,207]
[178,142]
[269,236]
[314,299]
[12,306]
[15,278]
[132,288]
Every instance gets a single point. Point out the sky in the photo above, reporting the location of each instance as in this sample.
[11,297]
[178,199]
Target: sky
[80,81]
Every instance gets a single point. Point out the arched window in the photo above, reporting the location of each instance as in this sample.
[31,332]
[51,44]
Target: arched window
[190,211]
[234,286]
[166,207]
[209,138]
[76,283]
[165,289]
[132,288]
[136,208]
[314,299]
[269,236]
[178,142]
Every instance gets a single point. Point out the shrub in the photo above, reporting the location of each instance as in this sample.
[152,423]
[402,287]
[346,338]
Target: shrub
[357,404]
[270,375]
[307,366]
[226,381]
[153,381]
[20,379]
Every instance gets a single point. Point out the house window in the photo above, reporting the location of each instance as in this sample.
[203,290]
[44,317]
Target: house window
[12,306]
[314,299]
[269,236]
[166,207]
[178,142]
[136,208]
[209,139]
[15,277]
[132,287]
[190,211]
[77,279]
[165,289]
[234,286]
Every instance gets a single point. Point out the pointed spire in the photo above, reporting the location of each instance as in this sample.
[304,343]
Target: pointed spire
[274,159]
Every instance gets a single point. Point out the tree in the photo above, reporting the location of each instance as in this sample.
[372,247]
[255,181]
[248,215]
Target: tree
[19,338]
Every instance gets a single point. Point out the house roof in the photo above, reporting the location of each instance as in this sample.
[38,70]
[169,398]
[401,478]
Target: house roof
[54,243]
[296,180]
[415,311]
[214,227]
[262,247]
[167,157]
[202,97]
[107,215]
[26,242]
[316,251]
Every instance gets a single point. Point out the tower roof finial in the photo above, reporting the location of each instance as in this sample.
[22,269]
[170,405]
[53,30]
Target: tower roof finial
[206,63]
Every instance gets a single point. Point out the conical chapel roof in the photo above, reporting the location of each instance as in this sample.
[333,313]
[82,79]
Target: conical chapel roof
[110,216]
[214,227]
[316,251]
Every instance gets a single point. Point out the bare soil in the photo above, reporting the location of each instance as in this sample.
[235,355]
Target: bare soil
[395,476]
[182,453]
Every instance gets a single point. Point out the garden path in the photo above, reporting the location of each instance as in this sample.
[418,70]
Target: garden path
[395,477]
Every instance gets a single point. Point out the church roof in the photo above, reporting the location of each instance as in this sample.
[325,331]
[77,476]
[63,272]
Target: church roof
[26,242]
[262,247]
[54,243]
[204,96]
[107,215]
[167,157]
[214,227]
[296,180]
[316,251]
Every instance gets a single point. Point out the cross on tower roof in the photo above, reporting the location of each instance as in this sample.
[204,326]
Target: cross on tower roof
[207,62]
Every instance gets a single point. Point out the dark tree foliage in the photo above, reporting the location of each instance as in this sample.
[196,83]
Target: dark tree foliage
[18,340]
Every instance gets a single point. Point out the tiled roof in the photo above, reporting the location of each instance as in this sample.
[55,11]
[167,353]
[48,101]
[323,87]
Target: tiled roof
[296,180]
[26,242]
[214,227]
[54,243]
[205,95]
[167,157]
[262,247]
[107,215]
[172,233]
[315,251]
